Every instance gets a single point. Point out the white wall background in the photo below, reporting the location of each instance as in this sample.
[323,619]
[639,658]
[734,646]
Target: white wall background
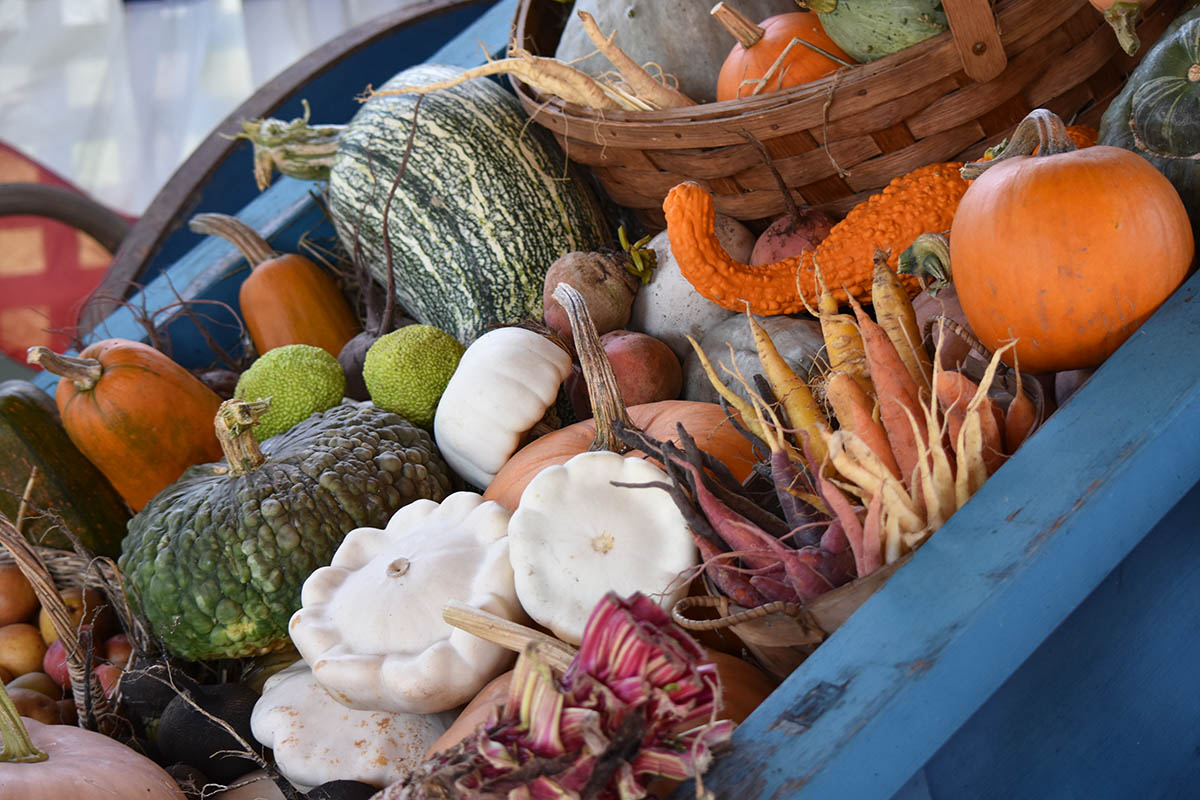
[115,95]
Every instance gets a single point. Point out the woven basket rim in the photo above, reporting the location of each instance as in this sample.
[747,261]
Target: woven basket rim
[602,125]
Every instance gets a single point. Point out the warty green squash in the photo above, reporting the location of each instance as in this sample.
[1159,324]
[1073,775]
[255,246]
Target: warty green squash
[871,29]
[215,562]
[486,202]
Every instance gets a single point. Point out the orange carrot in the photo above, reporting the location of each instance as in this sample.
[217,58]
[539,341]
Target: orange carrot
[896,315]
[956,390]
[855,412]
[896,391]
[1019,420]
[843,342]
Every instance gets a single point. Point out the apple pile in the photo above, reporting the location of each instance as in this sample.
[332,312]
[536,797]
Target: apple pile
[33,660]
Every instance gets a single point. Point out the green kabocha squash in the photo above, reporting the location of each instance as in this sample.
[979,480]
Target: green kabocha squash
[871,29]
[215,562]
[486,202]
[67,486]
[1157,113]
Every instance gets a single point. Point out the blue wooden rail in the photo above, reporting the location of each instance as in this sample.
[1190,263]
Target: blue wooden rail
[1041,645]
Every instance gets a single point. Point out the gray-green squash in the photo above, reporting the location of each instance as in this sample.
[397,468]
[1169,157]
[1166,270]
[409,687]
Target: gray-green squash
[1157,113]
[871,29]
[215,562]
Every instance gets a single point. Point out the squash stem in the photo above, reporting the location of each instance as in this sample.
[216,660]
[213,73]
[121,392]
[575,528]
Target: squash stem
[18,747]
[1042,131]
[253,247]
[83,372]
[295,148]
[603,391]
[928,257]
[1122,18]
[234,424]
[740,26]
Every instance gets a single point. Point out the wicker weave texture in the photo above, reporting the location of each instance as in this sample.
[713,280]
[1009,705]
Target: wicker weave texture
[838,139]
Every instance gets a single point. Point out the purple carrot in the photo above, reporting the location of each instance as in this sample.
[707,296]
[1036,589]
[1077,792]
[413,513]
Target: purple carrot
[728,580]
[852,527]
[773,589]
[797,513]
[834,538]
[837,568]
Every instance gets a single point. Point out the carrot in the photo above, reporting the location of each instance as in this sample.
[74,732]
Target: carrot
[855,412]
[898,395]
[728,580]
[956,390]
[1019,419]
[858,464]
[641,82]
[732,398]
[799,406]
[843,342]
[895,314]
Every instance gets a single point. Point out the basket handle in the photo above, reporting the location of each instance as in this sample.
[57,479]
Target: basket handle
[973,27]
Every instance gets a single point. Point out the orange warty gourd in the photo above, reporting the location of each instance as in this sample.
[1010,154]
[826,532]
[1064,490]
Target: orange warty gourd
[922,200]
[141,418]
[286,299]
[1067,252]
[751,68]
[707,423]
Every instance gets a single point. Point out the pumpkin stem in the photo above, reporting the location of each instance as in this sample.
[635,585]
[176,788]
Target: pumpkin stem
[928,257]
[738,24]
[1042,132]
[295,148]
[18,747]
[83,372]
[253,247]
[235,431]
[1122,18]
[603,391]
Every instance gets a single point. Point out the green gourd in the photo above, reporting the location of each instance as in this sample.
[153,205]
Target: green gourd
[871,29]
[1157,113]
[67,485]
[215,562]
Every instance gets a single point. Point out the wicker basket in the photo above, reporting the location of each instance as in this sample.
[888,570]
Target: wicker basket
[840,138]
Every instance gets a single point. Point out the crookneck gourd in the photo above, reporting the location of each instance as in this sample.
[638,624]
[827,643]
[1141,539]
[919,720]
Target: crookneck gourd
[216,561]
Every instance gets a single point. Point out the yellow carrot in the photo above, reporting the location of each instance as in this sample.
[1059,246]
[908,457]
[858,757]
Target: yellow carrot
[803,413]
[843,342]
[735,402]
[895,313]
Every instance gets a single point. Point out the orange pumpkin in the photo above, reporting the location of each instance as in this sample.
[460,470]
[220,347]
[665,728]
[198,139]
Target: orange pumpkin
[141,418]
[707,423]
[767,58]
[1067,252]
[286,299]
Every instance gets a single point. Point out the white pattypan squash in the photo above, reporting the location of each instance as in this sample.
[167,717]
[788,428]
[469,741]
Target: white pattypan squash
[315,739]
[575,536]
[502,387]
[370,624]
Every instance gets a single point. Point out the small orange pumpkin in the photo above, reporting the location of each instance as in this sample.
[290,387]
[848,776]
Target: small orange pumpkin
[767,56]
[141,418]
[1067,252]
[286,299]
[707,423]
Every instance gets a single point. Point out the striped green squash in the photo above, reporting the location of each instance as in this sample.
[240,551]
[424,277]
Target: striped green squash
[487,202]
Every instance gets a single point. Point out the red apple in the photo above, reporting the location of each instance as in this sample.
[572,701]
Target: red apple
[108,675]
[118,650]
[54,663]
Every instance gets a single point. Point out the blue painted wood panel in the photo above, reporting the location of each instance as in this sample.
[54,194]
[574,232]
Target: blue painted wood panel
[1109,706]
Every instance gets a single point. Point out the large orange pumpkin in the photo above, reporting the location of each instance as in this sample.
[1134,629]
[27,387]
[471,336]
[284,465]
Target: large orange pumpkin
[1067,252]
[707,423]
[753,59]
[141,418]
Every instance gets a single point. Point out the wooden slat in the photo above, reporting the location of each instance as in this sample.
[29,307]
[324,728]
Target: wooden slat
[976,38]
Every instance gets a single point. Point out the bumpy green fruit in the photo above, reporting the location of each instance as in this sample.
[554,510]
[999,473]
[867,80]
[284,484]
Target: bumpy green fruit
[407,370]
[300,379]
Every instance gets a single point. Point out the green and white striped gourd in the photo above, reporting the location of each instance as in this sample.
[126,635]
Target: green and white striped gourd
[486,204]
